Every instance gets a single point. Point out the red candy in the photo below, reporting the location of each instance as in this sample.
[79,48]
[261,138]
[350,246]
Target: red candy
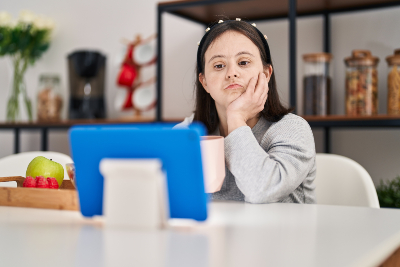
[53,184]
[29,182]
[41,182]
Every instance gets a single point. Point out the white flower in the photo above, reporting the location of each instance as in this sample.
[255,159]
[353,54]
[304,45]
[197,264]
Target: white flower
[39,23]
[26,17]
[43,23]
[6,19]
[50,24]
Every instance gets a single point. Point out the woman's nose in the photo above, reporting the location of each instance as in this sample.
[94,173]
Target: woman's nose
[232,73]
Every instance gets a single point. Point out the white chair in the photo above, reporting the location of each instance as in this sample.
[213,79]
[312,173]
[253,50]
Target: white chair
[16,164]
[342,181]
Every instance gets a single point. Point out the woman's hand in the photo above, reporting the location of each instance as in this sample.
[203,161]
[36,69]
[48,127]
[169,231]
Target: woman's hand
[249,104]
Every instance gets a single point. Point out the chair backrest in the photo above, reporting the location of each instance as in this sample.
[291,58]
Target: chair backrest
[16,164]
[342,181]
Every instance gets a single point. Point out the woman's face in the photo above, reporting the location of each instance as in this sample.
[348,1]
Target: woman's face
[230,62]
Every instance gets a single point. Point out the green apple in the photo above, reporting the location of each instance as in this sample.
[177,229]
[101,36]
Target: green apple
[41,166]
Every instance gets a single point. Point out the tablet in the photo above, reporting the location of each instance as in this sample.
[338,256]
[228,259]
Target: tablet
[178,149]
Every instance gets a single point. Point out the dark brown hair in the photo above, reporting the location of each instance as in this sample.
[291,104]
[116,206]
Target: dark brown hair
[205,109]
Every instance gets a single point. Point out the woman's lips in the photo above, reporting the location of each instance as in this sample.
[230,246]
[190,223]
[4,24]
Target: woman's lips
[234,86]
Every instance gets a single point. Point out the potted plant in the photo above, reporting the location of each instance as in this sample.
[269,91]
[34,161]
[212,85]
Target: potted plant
[24,40]
[389,193]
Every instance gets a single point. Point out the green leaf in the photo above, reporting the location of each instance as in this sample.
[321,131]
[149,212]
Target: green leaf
[389,193]
[29,42]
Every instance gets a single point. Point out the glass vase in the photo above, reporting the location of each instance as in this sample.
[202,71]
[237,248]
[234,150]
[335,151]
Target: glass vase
[19,105]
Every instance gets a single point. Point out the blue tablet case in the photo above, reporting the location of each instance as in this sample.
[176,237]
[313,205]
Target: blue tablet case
[178,149]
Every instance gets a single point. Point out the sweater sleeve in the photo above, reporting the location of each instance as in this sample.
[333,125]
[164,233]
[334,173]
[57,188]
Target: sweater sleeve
[186,122]
[270,171]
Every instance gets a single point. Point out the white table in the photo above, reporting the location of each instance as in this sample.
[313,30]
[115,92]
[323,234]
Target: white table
[236,234]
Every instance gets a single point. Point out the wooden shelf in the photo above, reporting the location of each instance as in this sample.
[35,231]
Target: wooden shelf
[314,121]
[64,124]
[206,11]
[44,127]
[353,121]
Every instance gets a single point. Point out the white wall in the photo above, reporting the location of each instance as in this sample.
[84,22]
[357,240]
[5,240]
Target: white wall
[101,25]
[179,61]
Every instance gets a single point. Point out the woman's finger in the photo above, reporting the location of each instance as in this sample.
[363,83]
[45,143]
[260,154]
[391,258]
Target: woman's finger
[251,86]
[265,92]
[263,97]
[260,85]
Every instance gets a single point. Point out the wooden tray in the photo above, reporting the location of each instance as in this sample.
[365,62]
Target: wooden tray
[65,198]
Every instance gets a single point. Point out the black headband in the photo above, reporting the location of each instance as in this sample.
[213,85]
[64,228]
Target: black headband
[215,25]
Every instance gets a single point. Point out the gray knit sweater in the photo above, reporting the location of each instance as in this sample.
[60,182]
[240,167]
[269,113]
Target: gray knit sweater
[271,162]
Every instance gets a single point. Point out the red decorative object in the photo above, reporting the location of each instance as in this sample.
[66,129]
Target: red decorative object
[127,75]
[128,100]
[139,54]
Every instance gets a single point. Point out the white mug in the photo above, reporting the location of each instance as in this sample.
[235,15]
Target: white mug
[213,158]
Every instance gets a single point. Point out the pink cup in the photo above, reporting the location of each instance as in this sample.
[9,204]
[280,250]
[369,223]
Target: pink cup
[213,157]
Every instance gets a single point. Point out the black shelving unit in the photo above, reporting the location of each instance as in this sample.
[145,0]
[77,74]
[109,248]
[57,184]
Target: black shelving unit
[206,11]
[346,122]
[45,127]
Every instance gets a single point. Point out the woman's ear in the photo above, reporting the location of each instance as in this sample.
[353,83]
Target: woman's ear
[268,72]
[203,81]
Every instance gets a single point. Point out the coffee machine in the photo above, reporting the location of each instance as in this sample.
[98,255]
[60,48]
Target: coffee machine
[86,83]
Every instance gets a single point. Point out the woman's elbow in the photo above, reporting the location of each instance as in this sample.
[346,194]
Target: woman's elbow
[263,196]
[259,198]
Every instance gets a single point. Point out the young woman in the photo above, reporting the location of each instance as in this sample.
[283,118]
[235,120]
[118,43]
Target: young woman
[269,152]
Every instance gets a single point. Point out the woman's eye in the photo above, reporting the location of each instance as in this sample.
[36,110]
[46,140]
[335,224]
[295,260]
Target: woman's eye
[219,66]
[243,63]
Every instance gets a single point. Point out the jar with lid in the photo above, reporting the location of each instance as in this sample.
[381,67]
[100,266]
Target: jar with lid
[317,84]
[393,101]
[49,100]
[361,84]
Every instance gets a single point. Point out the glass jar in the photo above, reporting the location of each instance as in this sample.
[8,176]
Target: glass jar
[317,84]
[393,103]
[49,100]
[361,84]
